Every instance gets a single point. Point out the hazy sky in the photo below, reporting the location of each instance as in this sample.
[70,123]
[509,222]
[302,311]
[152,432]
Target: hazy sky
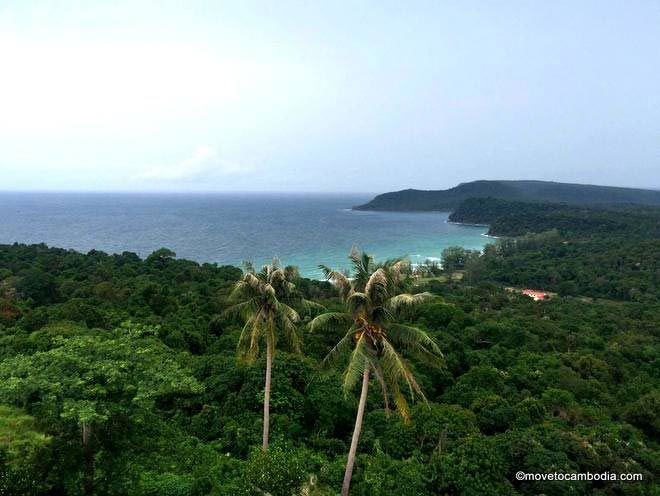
[327,96]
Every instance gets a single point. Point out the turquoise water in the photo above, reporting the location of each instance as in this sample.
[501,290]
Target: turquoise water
[303,230]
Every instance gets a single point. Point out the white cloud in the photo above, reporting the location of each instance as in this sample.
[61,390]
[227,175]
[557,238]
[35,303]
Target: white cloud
[205,162]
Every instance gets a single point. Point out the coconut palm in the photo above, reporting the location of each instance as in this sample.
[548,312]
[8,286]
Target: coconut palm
[374,339]
[265,302]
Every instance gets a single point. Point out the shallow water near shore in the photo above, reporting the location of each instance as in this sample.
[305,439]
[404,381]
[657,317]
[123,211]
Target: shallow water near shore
[301,229]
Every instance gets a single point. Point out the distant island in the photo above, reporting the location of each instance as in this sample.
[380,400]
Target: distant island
[414,200]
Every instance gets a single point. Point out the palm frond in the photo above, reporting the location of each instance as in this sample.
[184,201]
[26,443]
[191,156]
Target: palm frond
[285,320]
[308,306]
[398,273]
[376,288]
[422,354]
[401,266]
[355,253]
[380,315]
[292,272]
[286,311]
[327,320]
[290,331]
[392,264]
[252,281]
[264,273]
[410,337]
[238,291]
[395,367]
[356,364]
[248,342]
[277,278]
[400,401]
[337,279]
[357,302]
[362,269]
[406,301]
[340,350]
[378,374]
[243,310]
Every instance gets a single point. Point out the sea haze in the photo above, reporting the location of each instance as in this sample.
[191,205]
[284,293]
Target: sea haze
[303,230]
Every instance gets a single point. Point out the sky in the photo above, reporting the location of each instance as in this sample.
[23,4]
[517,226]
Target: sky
[327,96]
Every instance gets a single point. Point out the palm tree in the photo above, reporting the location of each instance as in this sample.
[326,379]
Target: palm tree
[374,338]
[265,303]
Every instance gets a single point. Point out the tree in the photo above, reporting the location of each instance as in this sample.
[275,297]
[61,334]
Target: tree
[38,285]
[88,382]
[24,453]
[477,466]
[280,471]
[645,413]
[374,338]
[457,257]
[265,302]
[160,257]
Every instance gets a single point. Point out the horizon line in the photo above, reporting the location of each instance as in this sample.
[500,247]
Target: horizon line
[303,192]
[183,192]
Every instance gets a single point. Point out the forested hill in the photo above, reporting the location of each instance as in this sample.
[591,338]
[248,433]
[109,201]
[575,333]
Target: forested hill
[610,252]
[543,191]
[515,218]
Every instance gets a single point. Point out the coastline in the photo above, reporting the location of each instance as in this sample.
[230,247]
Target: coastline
[227,229]
[473,225]
[466,224]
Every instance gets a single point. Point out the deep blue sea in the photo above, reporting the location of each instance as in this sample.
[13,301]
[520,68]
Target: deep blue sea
[301,229]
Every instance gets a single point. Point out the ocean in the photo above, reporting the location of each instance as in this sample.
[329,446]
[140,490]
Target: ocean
[300,229]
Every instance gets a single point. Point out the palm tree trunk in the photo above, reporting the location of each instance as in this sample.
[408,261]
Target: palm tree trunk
[269,366]
[356,433]
[89,459]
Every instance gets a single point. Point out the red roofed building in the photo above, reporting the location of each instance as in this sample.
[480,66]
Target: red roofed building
[537,295]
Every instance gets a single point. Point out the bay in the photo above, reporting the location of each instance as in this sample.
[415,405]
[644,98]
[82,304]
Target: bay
[226,228]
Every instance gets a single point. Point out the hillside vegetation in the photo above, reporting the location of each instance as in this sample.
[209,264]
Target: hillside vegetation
[506,218]
[537,191]
[611,252]
[120,375]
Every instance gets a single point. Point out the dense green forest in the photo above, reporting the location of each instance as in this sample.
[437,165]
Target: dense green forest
[527,191]
[607,251]
[147,377]
[509,218]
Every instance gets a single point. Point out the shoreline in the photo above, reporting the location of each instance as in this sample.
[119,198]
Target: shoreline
[473,225]
[466,224]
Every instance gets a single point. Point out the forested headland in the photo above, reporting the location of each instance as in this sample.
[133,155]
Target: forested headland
[121,375]
[415,200]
